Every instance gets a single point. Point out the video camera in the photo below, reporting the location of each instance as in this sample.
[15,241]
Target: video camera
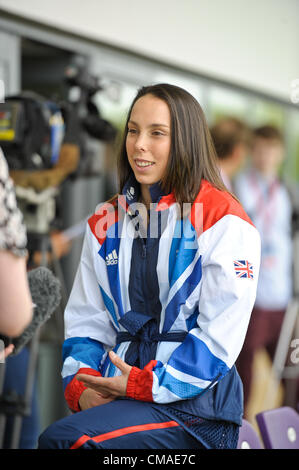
[30,131]
[45,142]
[32,127]
[82,86]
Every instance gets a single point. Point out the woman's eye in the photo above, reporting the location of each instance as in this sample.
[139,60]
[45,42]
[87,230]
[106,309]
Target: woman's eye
[132,131]
[158,133]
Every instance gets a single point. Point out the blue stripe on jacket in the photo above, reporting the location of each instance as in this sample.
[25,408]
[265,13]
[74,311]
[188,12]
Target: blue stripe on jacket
[182,389]
[201,362]
[108,246]
[109,305]
[173,308]
[180,257]
[86,350]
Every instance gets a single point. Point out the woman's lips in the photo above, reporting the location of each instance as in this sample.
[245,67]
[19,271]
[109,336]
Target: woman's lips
[141,164]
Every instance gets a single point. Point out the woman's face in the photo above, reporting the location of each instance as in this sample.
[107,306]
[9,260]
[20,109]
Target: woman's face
[148,139]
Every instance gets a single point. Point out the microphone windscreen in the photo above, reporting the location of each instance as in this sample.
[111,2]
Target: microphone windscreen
[45,291]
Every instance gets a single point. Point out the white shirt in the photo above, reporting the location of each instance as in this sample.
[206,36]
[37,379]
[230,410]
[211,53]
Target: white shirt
[268,205]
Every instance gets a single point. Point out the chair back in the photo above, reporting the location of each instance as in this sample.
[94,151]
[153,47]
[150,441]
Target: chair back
[248,437]
[279,428]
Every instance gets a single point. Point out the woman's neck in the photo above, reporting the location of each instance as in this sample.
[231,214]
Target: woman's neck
[146,195]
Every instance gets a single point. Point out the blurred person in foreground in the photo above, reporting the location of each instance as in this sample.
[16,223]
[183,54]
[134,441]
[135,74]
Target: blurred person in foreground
[231,138]
[266,200]
[15,300]
[16,308]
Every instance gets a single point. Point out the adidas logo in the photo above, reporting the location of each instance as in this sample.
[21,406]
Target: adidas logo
[112,258]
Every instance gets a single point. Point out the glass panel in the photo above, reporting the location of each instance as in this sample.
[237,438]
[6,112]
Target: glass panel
[192,86]
[114,100]
[267,112]
[291,165]
[226,102]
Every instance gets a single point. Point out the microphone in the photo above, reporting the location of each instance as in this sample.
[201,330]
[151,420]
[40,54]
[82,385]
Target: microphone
[46,296]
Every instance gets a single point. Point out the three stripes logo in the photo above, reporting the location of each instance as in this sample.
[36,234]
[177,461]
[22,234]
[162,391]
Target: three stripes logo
[112,258]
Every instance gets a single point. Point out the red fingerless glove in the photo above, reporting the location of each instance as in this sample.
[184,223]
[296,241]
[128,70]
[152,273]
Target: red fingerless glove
[140,382]
[75,388]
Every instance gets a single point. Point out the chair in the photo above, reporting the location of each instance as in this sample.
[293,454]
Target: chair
[248,437]
[279,428]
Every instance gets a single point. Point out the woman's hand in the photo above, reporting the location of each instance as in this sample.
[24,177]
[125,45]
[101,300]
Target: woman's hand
[89,398]
[109,387]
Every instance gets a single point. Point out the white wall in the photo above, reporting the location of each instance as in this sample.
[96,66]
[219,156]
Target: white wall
[254,43]
[9,64]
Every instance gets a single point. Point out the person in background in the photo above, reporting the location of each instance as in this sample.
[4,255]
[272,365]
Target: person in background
[266,200]
[231,139]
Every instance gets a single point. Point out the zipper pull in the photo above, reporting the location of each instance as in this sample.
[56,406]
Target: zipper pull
[143,250]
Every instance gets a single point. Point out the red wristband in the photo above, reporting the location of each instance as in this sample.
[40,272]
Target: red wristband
[75,388]
[140,382]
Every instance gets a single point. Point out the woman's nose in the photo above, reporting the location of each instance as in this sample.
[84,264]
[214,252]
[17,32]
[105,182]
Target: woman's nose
[141,142]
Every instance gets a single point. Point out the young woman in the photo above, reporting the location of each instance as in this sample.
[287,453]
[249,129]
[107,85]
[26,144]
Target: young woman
[163,294]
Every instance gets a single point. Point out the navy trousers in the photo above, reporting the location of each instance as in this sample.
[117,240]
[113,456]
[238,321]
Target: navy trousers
[121,424]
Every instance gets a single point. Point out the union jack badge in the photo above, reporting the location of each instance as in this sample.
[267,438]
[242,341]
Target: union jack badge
[243,269]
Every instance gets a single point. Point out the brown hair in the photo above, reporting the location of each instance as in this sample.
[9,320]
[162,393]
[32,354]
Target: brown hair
[268,132]
[227,133]
[192,153]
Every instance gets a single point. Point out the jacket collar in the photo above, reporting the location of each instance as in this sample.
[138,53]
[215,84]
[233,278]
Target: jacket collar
[131,191]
